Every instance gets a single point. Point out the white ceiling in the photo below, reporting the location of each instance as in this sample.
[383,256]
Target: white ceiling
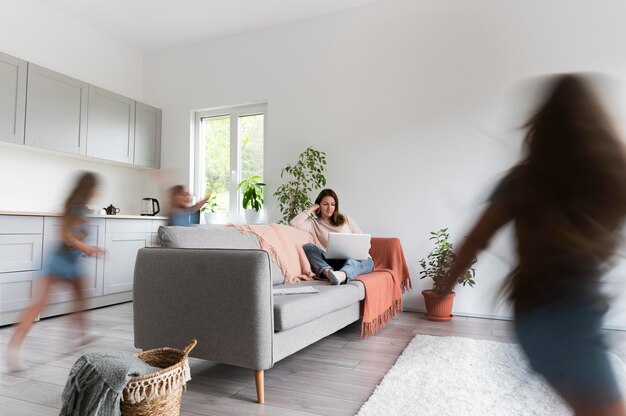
[148,25]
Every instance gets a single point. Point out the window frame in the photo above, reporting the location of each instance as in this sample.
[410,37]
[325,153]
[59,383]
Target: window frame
[233,112]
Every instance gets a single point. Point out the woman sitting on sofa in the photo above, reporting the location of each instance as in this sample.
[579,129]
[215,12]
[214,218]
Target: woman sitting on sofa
[323,218]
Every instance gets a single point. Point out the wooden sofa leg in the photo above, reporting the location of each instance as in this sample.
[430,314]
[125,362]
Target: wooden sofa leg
[260,386]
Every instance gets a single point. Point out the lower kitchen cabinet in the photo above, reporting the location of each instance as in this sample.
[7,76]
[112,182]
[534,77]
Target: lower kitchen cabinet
[123,239]
[16,294]
[20,263]
[108,278]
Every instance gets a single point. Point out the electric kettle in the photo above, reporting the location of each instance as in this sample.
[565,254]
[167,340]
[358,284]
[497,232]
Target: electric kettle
[150,207]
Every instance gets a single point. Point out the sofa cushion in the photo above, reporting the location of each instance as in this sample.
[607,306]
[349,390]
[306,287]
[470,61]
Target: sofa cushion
[214,236]
[360,287]
[206,236]
[293,310]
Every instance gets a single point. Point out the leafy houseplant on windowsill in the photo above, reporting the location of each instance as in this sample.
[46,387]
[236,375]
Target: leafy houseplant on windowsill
[436,266]
[213,213]
[252,198]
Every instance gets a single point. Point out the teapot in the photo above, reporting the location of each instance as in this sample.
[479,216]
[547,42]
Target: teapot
[111,210]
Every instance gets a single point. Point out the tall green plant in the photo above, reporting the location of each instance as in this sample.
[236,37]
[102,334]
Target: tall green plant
[440,260]
[307,176]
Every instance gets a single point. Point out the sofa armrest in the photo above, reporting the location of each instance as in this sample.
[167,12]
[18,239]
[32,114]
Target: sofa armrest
[221,297]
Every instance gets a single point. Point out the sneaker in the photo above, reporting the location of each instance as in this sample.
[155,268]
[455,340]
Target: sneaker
[14,359]
[336,277]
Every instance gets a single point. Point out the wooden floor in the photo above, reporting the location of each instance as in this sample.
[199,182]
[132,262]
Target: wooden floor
[334,377]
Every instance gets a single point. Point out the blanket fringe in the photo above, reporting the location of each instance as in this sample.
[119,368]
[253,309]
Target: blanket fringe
[162,385]
[406,284]
[372,327]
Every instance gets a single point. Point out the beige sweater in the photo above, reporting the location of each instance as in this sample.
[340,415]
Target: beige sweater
[320,228]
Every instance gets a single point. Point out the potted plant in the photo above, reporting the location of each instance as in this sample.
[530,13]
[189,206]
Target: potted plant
[252,198]
[212,211]
[308,175]
[436,266]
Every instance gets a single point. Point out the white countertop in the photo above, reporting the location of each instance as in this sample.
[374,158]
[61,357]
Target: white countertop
[58,214]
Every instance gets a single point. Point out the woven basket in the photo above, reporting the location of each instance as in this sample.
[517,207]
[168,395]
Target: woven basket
[158,393]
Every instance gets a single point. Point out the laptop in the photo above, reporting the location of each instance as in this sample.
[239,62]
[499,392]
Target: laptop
[344,246]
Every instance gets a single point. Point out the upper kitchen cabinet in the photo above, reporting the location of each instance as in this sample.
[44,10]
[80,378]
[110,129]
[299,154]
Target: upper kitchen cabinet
[56,110]
[49,110]
[147,136]
[110,126]
[12,98]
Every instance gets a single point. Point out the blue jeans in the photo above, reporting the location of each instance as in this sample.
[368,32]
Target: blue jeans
[351,267]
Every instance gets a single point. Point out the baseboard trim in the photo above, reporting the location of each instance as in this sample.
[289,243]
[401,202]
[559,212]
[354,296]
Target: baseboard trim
[504,318]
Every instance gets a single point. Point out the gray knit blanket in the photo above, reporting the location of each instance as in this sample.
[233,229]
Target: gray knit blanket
[96,381]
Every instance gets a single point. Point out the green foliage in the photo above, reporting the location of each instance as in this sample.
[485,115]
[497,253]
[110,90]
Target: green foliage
[251,141]
[252,190]
[217,147]
[440,260]
[211,205]
[217,161]
[307,176]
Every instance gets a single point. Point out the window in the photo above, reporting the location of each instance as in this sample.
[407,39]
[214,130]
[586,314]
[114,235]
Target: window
[229,148]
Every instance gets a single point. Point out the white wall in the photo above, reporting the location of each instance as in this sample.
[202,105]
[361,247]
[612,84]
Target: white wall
[32,31]
[412,100]
[34,181]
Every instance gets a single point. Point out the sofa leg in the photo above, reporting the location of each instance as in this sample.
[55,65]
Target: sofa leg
[260,386]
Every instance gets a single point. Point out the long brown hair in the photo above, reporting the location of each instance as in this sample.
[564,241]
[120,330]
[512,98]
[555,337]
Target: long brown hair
[337,219]
[569,191]
[82,192]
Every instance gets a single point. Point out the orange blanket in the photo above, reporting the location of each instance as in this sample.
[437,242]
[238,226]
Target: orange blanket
[284,244]
[384,286]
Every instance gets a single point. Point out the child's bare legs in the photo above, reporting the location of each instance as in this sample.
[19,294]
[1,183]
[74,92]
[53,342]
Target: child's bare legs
[26,320]
[78,284]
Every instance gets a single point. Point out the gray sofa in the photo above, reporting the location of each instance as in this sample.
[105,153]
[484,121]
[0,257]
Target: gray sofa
[214,284]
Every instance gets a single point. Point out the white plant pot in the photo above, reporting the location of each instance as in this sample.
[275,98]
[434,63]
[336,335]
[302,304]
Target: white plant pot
[253,217]
[215,218]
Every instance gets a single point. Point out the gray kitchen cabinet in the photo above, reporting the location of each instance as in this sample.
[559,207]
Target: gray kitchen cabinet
[20,263]
[56,111]
[27,241]
[12,99]
[20,243]
[110,126]
[43,108]
[20,252]
[147,136]
[122,241]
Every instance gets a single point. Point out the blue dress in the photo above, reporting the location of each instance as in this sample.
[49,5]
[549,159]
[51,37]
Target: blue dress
[181,218]
[559,309]
[64,260]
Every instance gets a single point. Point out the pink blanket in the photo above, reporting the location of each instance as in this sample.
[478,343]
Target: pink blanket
[284,245]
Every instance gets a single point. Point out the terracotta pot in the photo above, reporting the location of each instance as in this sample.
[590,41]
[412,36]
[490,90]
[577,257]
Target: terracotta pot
[438,307]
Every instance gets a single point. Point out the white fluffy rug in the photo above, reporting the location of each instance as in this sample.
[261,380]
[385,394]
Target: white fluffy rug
[463,376]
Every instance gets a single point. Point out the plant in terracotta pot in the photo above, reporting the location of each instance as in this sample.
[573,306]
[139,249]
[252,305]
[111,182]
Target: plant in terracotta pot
[252,198]
[436,266]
